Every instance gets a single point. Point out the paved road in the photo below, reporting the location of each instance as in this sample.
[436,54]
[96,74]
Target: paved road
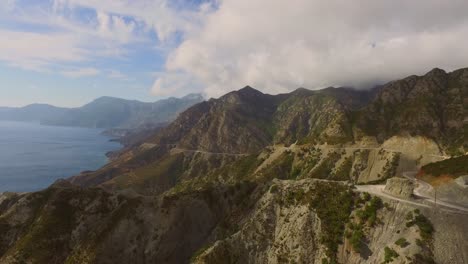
[423,193]
[379,191]
[386,149]
[178,150]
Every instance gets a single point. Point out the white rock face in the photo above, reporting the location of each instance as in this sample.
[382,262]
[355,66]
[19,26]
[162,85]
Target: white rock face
[400,187]
[462,181]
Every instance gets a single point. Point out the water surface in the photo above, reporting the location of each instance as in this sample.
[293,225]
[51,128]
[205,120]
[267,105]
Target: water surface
[33,156]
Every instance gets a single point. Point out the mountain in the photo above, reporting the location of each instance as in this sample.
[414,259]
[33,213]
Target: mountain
[105,112]
[257,178]
[245,122]
[434,105]
[33,112]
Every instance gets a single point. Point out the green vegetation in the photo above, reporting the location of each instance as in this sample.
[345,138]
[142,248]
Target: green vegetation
[369,213]
[402,242]
[343,172]
[243,167]
[333,204]
[425,226]
[170,166]
[281,168]
[453,166]
[307,162]
[367,217]
[323,170]
[391,166]
[390,254]
[356,237]
[362,156]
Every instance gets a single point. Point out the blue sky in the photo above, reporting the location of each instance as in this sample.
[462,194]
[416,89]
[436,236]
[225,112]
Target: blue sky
[68,52]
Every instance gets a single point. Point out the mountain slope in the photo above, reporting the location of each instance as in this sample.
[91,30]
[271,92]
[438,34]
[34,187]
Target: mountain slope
[434,105]
[213,134]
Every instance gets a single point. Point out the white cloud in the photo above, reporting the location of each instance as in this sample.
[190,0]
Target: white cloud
[72,35]
[174,84]
[35,51]
[83,72]
[273,45]
[157,15]
[277,45]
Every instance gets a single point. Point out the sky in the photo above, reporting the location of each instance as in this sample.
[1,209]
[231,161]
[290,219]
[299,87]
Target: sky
[69,52]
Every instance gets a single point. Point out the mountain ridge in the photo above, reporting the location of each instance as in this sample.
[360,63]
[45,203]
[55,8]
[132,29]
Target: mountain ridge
[104,112]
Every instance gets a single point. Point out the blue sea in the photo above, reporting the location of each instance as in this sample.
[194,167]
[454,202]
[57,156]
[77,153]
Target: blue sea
[33,156]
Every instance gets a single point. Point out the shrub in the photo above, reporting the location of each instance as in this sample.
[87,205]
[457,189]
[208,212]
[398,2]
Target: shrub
[454,166]
[425,226]
[356,238]
[369,214]
[390,254]
[402,242]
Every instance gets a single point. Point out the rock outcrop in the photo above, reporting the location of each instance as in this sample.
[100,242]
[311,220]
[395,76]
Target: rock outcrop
[400,187]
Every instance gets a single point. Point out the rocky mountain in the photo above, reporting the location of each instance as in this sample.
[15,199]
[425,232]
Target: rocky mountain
[105,112]
[434,105]
[258,178]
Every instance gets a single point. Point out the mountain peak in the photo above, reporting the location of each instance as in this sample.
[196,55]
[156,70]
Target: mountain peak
[247,90]
[436,72]
[301,91]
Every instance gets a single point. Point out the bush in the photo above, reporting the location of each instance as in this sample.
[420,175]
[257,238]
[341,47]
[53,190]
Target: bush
[453,166]
[356,238]
[390,254]
[425,226]
[369,214]
[402,242]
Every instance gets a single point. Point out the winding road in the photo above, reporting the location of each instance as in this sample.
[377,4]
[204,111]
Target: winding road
[423,194]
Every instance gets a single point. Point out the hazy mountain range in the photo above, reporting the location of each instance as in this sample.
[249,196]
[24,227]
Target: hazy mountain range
[104,112]
[257,178]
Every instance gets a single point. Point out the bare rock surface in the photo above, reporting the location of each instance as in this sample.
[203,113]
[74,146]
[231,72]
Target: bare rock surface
[400,187]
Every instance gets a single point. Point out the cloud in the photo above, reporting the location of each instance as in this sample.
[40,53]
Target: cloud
[35,51]
[52,34]
[160,16]
[174,84]
[83,72]
[277,45]
[220,45]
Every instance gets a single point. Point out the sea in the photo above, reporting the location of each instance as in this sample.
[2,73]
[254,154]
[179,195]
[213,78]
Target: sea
[33,156]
